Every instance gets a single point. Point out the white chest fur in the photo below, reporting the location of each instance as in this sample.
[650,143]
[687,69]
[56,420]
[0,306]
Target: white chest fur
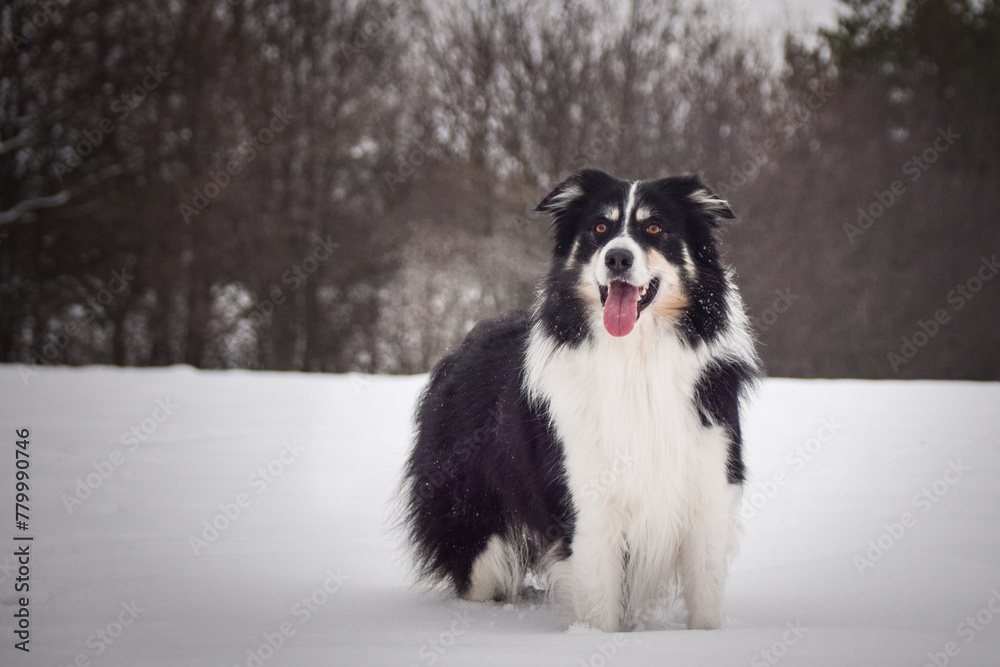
[624,409]
[647,479]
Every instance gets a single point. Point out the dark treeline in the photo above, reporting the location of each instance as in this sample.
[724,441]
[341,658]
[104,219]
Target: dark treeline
[345,186]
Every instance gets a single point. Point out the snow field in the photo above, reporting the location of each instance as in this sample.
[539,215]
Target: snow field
[184,517]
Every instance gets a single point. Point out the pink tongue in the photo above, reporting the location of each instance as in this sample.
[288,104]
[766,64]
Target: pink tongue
[621,308]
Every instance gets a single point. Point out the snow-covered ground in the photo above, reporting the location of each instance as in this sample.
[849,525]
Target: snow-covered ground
[873,535]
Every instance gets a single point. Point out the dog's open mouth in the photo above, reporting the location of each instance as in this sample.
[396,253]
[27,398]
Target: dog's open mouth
[623,302]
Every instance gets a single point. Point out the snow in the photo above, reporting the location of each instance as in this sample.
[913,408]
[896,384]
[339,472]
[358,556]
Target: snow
[837,467]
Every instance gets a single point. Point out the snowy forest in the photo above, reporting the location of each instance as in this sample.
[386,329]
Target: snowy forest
[349,186]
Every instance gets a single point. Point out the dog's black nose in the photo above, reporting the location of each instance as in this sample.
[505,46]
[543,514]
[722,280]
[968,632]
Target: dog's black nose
[618,260]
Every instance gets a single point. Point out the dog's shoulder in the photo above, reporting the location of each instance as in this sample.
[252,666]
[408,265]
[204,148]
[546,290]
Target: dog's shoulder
[503,331]
[490,354]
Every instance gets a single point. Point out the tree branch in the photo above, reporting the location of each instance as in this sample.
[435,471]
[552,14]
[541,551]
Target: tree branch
[16,141]
[12,214]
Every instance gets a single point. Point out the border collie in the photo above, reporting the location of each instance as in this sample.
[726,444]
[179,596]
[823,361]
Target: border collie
[594,444]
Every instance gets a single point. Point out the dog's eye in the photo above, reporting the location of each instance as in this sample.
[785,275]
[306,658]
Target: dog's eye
[654,229]
[600,228]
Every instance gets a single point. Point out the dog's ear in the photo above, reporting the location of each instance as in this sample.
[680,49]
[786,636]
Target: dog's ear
[565,203]
[691,190]
[572,191]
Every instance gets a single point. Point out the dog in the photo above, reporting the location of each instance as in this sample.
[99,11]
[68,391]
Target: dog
[592,447]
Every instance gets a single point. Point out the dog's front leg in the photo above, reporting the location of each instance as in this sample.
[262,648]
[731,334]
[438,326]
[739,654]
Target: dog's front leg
[704,556]
[597,566]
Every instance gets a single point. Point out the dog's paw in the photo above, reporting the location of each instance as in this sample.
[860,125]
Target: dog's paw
[704,622]
[588,627]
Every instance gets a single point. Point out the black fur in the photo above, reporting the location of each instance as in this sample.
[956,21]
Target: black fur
[718,392]
[485,461]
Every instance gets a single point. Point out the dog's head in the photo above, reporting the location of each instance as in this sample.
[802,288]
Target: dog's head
[635,247]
